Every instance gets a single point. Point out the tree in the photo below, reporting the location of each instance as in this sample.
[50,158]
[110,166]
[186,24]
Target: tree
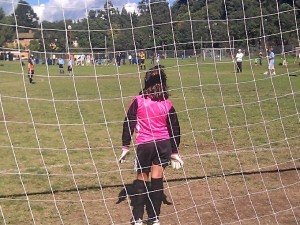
[34,45]
[110,9]
[6,31]
[2,14]
[123,11]
[143,7]
[26,18]
[211,21]
[287,20]
[92,14]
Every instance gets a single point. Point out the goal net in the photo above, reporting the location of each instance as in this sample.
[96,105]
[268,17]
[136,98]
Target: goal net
[61,135]
[217,53]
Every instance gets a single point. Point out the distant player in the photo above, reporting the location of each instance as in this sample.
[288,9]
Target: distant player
[118,59]
[260,56]
[255,61]
[143,58]
[271,58]
[30,68]
[158,59]
[239,61]
[130,59]
[61,63]
[152,58]
[70,66]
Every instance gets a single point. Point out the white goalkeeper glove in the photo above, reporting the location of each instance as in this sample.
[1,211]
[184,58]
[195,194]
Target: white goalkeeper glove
[176,161]
[125,152]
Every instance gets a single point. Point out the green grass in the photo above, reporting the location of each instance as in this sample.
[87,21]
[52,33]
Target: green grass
[70,127]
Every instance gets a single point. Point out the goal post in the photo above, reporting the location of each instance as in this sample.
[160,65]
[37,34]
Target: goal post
[217,53]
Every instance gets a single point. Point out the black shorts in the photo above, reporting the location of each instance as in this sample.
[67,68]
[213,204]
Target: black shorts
[31,73]
[153,153]
[142,61]
[69,68]
[61,66]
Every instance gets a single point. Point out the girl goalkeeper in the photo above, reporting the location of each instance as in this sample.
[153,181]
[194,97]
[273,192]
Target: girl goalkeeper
[153,117]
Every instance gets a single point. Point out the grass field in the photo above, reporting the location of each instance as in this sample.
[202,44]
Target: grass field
[61,136]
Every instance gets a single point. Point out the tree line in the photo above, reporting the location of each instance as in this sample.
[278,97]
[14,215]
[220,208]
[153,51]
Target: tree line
[182,25]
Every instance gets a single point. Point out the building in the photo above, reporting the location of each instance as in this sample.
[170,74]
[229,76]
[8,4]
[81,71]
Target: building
[24,39]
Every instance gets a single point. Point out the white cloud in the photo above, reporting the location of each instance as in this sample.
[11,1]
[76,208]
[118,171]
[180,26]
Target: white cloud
[58,10]
[54,10]
[131,7]
[39,10]
[74,9]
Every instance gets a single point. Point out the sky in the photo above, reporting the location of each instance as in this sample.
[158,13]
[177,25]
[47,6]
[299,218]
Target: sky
[53,10]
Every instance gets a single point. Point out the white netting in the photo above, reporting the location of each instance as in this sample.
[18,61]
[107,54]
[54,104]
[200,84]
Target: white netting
[61,136]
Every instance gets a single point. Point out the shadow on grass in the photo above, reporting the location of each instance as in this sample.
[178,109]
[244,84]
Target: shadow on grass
[128,188]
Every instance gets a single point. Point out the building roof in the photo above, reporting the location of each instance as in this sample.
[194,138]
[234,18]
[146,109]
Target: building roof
[28,35]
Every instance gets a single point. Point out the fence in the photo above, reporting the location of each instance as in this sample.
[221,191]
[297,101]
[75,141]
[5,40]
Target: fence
[203,53]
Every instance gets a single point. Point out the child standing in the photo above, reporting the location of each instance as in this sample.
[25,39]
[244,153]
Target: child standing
[143,58]
[260,56]
[255,61]
[271,58]
[239,61]
[157,59]
[61,63]
[30,68]
[70,66]
[153,117]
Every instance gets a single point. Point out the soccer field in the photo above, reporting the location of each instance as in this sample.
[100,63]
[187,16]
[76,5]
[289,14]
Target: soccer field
[61,137]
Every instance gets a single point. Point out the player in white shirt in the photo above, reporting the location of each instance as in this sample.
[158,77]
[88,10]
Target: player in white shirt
[239,60]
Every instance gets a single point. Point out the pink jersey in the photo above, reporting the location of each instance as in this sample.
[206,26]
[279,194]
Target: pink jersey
[151,120]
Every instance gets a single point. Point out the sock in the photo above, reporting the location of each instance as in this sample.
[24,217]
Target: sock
[149,206]
[139,199]
[156,194]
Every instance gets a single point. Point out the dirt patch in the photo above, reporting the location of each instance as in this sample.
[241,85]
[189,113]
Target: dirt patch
[269,197]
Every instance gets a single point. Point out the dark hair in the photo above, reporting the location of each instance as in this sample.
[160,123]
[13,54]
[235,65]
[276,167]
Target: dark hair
[155,84]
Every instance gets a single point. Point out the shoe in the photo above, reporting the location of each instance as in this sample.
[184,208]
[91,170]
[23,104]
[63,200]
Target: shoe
[153,222]
[156,222]
[137,222]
